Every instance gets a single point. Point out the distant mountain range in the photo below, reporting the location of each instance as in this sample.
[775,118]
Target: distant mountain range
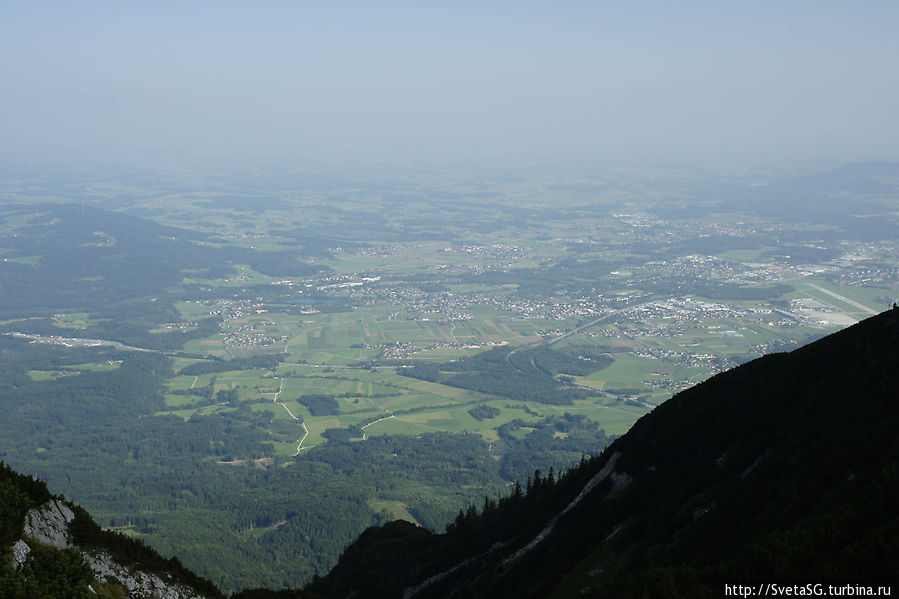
[782,471]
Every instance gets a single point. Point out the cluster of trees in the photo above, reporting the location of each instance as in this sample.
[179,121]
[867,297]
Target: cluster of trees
[320,405]
[96,258]
[48,573]
[574,360]
[128,551]
[515,376]
[18,494]
[569,274]
[483,412]
[542,445]
[338,435]
[259,361]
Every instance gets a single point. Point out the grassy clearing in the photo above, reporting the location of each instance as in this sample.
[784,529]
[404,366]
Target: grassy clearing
[181,383]
[213,345]
[395,426]
[295,387]
[625,371]
[74,320]
[614,418]
[105,366]
[28,260]
[450,393]
[191,310]
[177,401]
[407,401]
[49,375]
[395,510]
[72,370]
[185,413]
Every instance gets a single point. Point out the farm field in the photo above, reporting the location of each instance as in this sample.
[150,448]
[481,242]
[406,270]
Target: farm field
[357,355]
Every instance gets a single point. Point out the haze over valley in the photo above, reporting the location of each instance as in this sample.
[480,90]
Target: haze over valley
[271,276]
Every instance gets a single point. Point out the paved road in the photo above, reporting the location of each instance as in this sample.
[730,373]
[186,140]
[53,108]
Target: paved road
[300,444]
[375,422]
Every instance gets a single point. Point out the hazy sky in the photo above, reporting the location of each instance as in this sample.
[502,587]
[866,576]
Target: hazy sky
[410,81]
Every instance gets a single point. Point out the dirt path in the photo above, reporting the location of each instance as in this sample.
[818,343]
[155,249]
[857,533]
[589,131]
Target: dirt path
[300,444]
[292,415]
[375,422]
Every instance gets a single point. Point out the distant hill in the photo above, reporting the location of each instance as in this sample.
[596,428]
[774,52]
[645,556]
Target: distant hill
[783,470]
[874,177]
[857,190]
[64,256]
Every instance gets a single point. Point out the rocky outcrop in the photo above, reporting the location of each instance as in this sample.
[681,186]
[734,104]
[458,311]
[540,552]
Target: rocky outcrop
[137,584]
[20,553]
[49,524]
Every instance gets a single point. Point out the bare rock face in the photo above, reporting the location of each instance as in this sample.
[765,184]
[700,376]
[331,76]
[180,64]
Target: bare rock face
[49,524]
[137,584]
[20,553]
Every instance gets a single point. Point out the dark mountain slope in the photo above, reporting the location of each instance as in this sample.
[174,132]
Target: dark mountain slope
[783,470]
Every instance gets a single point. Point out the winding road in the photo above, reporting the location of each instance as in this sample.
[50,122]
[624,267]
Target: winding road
[375,422]
[292,415]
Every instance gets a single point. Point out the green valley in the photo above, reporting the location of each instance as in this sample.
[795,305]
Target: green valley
[251,388]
